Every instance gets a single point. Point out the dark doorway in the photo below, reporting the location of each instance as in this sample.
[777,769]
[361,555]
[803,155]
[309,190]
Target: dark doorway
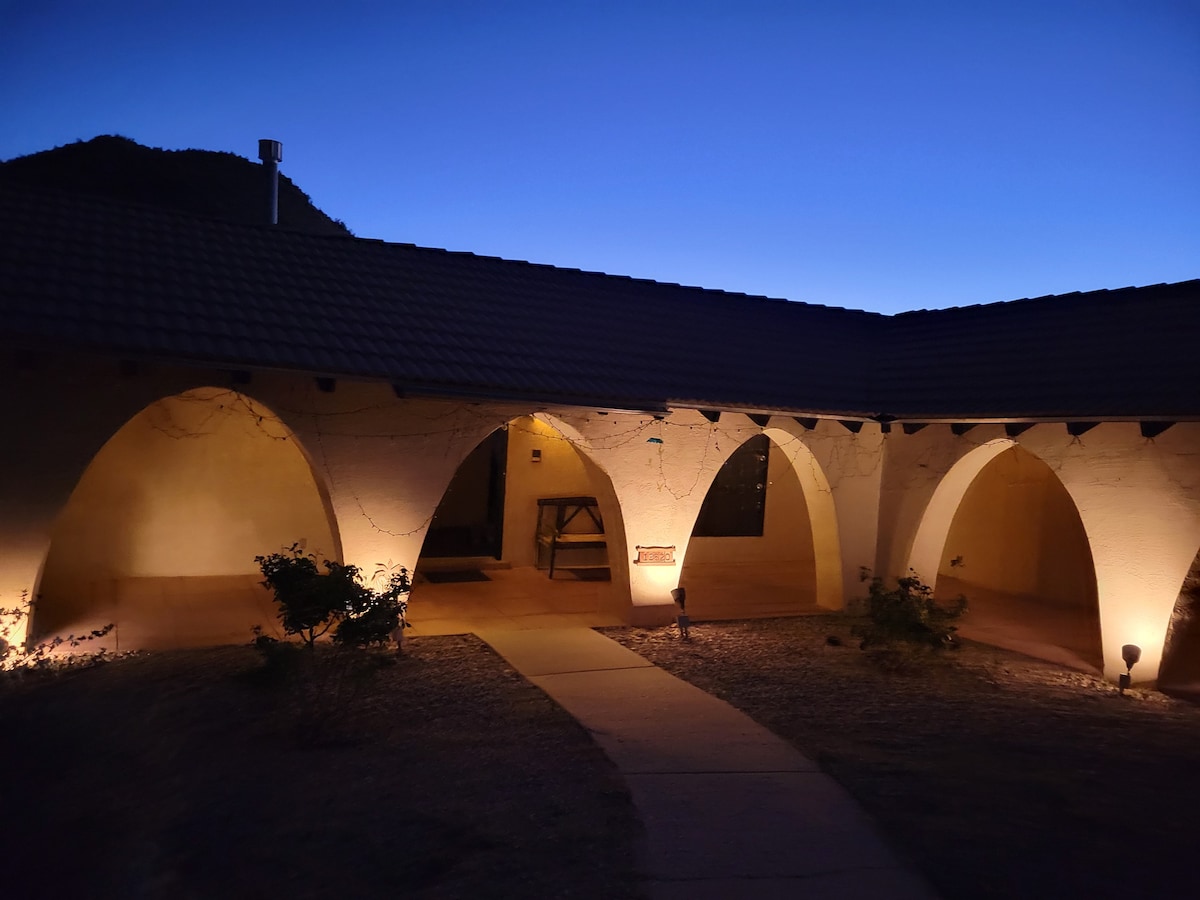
[470,519]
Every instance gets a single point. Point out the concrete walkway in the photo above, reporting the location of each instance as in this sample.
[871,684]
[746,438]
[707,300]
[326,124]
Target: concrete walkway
[730,809]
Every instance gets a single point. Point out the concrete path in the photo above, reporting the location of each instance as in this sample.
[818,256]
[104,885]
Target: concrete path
[730,809]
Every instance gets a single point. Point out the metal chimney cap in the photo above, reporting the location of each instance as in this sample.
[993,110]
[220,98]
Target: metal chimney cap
[270,151]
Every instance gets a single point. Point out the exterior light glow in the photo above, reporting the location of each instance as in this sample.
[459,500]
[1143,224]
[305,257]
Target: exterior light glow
[1130,654]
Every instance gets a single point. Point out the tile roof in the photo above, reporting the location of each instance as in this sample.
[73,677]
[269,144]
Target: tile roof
[147,283]
[144,282]
[1130,352]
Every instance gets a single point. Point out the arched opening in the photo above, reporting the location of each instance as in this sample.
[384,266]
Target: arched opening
[524,500]
[160,534]
[1016,547]
[765,541]
[1180,671]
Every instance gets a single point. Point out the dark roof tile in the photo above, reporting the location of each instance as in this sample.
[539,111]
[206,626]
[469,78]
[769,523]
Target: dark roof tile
[139,280]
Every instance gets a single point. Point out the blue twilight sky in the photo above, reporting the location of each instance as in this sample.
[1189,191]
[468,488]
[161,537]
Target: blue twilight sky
[875,155]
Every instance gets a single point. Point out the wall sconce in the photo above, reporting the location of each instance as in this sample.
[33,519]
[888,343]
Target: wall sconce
[1130,654]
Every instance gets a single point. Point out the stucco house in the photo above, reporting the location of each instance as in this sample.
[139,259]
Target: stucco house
[183,393]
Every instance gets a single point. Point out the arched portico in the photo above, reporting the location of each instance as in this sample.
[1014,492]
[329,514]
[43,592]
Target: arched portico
[822,517]
[1013,542]
[484,562]
[160,532]
[778,555]
[930,540]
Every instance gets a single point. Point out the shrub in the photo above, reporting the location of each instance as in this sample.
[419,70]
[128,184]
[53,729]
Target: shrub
[907,613]
[311,602]
[374,614]
[16,657]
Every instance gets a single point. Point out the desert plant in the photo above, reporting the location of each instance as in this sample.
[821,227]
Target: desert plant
[311,602]
[24,655]
[907,613]
[374,615]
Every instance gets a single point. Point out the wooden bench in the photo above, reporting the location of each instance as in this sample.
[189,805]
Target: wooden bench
[555,514]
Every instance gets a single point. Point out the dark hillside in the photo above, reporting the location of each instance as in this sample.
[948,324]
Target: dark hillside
[207,183]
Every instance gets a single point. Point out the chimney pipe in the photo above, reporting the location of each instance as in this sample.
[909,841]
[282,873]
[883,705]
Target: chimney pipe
[271,154]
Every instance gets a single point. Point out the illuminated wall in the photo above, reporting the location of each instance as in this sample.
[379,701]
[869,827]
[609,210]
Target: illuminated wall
[193,486]
[771,573]
[1017,531]
[1140,504]
[62,409]
[1017,550]
[839,477]
[786,535]
[381,463]
[1137,498]
[661,469]
[558,471]
[1181,658]
[385,461]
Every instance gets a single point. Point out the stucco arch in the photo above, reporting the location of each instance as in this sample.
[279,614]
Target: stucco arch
[926,554]
[1180,670]
[551,436]
[506,585]
[606,496]
[160,531]
[43,467]
[388,461]
[1012,539]
[822,516]
[793,564]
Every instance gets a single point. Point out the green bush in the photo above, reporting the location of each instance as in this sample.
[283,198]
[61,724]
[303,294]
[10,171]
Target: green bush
[28,654]
[311,602]
[907,613]
[373,615]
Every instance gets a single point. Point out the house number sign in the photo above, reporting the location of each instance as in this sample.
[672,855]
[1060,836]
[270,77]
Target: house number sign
[655,556]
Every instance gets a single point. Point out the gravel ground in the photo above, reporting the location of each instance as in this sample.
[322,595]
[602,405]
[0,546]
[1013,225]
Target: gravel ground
[203,774]
[998,775]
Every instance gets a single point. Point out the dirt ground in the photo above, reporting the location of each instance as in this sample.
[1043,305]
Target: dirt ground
[998,775]
[202,774]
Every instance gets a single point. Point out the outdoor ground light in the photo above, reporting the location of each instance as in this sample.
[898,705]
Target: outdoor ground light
[1130,653]
[679,595]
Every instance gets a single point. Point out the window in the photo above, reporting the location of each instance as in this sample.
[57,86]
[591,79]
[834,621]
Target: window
[737,500]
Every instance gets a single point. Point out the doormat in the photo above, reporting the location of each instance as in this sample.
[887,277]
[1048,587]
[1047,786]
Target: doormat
[584,574]
[454,576]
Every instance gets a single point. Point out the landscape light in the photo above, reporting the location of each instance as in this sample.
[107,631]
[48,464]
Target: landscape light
[1130,653]
[679,595]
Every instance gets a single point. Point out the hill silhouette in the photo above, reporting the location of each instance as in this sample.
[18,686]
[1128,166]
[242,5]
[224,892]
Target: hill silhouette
[203,182]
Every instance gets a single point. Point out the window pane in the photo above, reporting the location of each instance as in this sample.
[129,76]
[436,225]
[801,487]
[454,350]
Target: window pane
[737,500]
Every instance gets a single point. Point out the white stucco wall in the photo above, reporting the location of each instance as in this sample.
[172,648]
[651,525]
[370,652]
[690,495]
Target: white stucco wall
[1138,500]
[380,464]
[661,470]
[558,472]
[787,532]
[194,485]
[63,410]
[1017,530]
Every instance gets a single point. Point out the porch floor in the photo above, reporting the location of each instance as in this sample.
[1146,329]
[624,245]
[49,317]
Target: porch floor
[749,590]
[1066,635]
[511,599]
